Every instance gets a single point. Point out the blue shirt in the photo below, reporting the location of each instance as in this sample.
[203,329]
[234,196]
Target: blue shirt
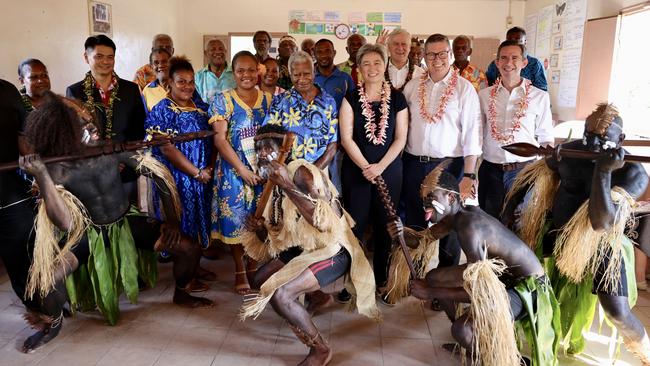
[337,84]
[208,84]
[534,72]
[315,124]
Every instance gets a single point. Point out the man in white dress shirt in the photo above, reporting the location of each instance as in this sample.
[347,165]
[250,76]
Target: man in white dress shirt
[445,123]
[400,70]
[513,110]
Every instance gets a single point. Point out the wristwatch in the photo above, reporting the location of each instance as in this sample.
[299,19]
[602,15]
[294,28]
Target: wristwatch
[471,176]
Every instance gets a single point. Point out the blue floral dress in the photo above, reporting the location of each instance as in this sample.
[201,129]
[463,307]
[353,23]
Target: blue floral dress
[315,124]
[233,199]
[168,118]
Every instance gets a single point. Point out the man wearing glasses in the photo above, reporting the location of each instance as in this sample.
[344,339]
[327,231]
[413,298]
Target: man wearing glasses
[445,124]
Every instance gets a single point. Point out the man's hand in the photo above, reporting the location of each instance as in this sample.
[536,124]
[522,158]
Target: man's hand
[467,188]
[170,236]
[32,164]
[420,289]
[279,175]
[372,171]
[395,229]
[249,177]
[382,38]
[611,160]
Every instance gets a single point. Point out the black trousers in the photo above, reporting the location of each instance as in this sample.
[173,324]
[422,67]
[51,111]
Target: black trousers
[414,173]
[493,186]
[361,200]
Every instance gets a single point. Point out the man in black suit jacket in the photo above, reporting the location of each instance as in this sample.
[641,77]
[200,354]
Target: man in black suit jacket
[115,102]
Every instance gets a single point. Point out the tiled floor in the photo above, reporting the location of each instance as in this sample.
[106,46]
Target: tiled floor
[156,332]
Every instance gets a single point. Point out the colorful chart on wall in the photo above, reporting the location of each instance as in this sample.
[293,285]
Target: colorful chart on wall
[314,22]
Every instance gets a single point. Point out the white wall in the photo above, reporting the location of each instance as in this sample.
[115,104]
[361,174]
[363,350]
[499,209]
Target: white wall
[479,18]
[54,32]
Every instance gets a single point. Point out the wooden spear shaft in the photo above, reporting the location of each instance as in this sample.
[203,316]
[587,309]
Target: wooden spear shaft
[384,195]
[528,150]
[116,147]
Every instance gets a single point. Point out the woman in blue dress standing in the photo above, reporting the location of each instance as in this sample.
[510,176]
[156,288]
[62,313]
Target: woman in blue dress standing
[188,162]
[235,115]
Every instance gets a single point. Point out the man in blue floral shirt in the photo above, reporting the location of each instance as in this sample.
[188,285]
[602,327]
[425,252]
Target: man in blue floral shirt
[309,112]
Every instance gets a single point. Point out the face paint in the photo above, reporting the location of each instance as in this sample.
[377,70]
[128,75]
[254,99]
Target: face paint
[439,207]
[609,145]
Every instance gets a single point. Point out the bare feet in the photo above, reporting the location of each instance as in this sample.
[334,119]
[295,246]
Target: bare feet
[47,327]
[319,355]
[241,283]
[182,298]
[319,300]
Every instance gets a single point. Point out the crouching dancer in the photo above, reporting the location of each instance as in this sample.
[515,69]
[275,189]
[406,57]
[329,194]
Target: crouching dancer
[304,226]
[503,280]
[85,226]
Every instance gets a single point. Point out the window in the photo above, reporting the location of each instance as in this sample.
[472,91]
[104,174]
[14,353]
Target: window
[630,86]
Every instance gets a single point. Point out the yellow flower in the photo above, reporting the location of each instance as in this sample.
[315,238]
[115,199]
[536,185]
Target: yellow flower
[292,118]
[308,147]
[297,150]
[275,119]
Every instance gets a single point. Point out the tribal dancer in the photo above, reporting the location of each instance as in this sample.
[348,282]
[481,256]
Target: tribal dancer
[503,281]
[577,210]
[306,238]
[85,225]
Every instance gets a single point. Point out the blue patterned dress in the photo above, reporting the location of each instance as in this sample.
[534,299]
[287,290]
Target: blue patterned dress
[233,199]
[167,118]
[315,124]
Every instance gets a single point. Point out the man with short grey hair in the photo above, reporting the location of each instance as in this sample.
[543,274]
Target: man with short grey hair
[400,70]
[309,112]
[146,74]
[217,75]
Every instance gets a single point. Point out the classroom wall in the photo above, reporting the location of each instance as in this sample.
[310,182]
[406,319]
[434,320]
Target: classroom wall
[54,31]
[478,18]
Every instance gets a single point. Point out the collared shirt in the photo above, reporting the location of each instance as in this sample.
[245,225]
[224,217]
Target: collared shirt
[474,75]
[398,76]
[106,94]
[336,84]
[208,83]
[315,124]
[536,126]
[144,75]
[534,72]
[457,133]
[348,67]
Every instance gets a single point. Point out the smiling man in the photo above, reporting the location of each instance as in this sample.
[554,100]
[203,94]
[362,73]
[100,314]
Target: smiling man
[512,110]
[116,103]
[445,123]
[217,75]
[400,70]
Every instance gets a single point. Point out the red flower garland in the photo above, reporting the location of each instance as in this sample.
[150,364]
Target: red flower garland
[374,135]
[444,98]
[519,114]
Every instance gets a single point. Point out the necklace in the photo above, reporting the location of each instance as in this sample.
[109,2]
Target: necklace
[519,114]
[409,75]
[89,84]
[374,135]
[444,98]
